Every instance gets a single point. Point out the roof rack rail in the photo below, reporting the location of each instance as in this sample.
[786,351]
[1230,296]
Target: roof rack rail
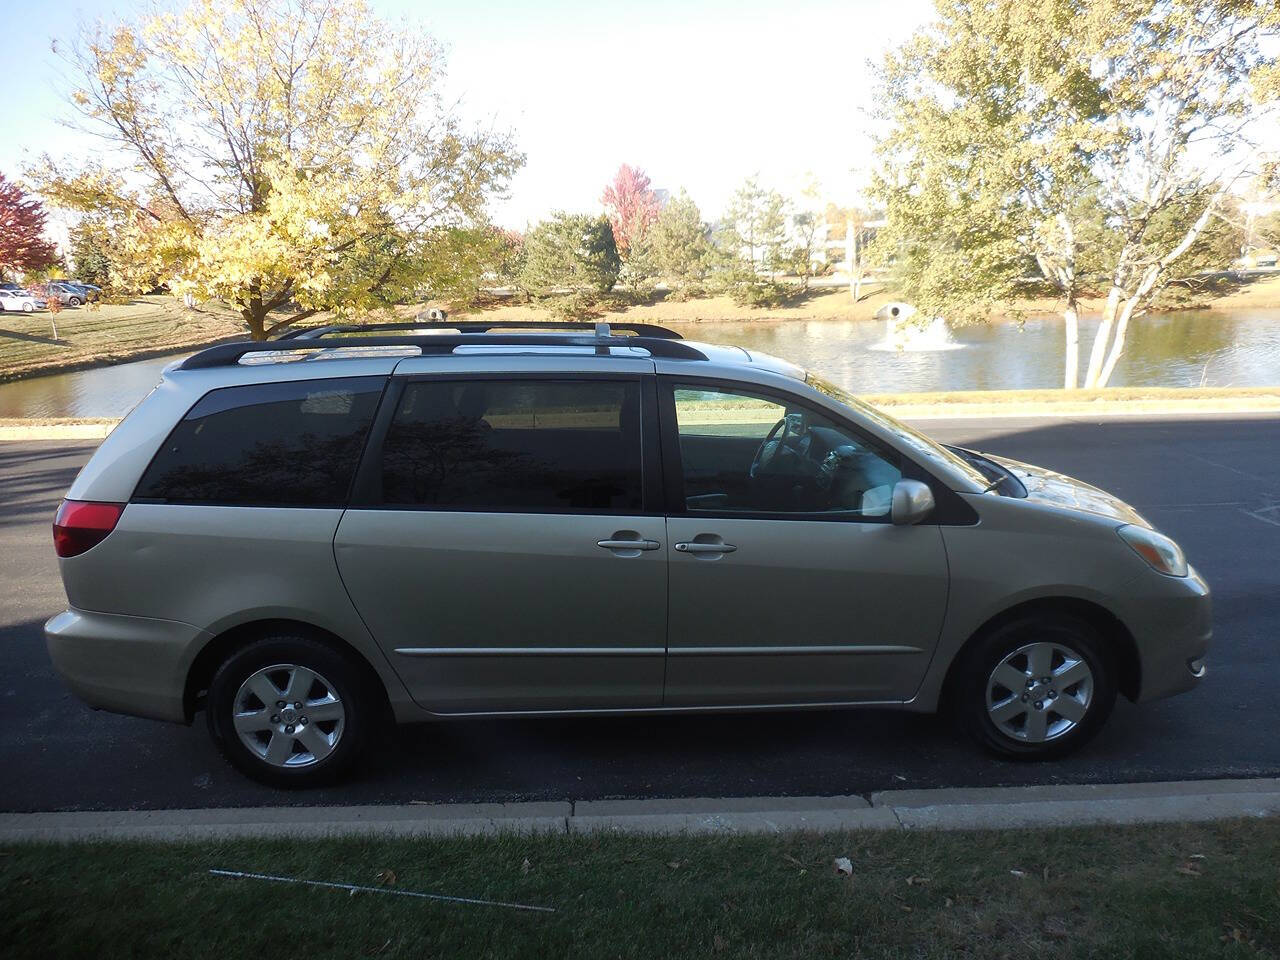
[229,354]
[483,326]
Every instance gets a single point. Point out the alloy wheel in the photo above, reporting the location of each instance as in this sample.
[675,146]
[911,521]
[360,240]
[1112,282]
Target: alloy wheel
[1039,692]
[288,715]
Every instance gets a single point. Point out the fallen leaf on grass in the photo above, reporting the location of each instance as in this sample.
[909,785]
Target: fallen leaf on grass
[844,865]
[387,878]
[790,859]
[1020,874]
[674,864]
[917,881]
[948,902]
[1188,869]
[526,866]
[1235,935]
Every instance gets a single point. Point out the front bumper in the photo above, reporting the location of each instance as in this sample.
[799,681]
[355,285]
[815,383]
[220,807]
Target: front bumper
[133,665]
[1171,619]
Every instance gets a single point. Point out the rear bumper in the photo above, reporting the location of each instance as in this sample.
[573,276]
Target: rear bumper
[1171,619]
[132,665]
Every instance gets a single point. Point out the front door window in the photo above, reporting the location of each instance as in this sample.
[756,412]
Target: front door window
[753,454]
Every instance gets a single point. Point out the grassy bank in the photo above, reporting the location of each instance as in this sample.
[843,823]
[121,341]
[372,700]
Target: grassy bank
[110,333]
[155,325]
[836,304]
[1192,891]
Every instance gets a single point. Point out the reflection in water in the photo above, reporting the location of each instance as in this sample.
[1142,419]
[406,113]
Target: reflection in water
[1185,349]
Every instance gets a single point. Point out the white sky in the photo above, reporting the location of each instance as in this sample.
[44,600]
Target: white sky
[699,94]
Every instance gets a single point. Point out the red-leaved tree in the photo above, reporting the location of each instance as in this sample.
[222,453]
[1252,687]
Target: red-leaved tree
[632,207]
[22,243]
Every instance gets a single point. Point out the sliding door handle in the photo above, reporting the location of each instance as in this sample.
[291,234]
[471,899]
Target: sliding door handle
[694,546]
[628,544]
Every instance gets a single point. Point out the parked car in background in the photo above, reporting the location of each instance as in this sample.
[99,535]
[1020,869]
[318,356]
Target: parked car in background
[10,286]
[90,291]
[484,523]
[14,301]
[67,294]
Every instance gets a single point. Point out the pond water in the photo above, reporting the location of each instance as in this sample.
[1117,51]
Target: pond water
[1184,349]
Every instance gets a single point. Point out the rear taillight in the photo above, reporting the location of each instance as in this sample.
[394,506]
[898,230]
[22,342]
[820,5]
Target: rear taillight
[81,524]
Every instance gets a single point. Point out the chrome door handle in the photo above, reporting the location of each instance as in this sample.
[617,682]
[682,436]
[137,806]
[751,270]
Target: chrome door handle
[693,546]
[628,544]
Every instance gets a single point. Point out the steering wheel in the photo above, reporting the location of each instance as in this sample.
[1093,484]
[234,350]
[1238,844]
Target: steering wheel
[760,459]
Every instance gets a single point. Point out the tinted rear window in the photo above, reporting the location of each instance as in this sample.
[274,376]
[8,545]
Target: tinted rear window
[520,445]
[267,444]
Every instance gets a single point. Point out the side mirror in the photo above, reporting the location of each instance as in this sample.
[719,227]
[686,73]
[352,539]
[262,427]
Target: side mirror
[912,502]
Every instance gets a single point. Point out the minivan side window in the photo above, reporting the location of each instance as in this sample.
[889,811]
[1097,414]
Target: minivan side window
[743,453]
[266,444]
[515,446]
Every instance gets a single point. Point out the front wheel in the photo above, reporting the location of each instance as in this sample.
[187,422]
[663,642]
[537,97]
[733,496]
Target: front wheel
[74,301]
[1036,688]
[28,308]
[289,711]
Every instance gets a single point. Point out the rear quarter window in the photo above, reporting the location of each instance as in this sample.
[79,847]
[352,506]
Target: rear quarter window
[266,444]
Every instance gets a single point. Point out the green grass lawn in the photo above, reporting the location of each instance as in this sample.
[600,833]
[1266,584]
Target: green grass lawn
[1191,891]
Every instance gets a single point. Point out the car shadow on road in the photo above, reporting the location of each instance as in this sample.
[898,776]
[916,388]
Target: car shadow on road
[33,482]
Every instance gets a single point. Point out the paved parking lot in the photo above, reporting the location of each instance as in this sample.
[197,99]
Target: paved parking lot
[1211,482]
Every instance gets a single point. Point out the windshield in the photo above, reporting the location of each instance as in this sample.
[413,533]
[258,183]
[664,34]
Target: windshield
[913,438]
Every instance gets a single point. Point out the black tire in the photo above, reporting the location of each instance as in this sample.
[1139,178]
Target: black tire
[74,301]
[334,669]
[970,687]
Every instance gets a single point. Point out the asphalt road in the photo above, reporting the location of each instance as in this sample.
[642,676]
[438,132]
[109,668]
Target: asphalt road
[1212,482]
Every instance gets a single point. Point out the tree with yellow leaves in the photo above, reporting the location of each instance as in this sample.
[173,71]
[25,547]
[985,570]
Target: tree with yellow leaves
[283,156]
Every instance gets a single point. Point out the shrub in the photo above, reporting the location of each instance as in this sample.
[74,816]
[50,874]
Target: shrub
[759,293]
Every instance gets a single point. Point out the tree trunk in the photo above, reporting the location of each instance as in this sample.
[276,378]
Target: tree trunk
[1102,361]
[1139,296]
[1098,354]
[851,257]
[255,318]
[1071,316]
[1117,343]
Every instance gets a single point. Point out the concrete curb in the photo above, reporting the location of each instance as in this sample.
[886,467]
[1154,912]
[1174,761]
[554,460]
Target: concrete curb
[1067,410]
[994,808]
[56,431]
[471,819]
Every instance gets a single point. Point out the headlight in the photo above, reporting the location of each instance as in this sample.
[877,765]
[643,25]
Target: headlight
[1161,553]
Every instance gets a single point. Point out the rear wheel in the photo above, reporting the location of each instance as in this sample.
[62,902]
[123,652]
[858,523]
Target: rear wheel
[290,711]
[75,301]
[1036,688]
